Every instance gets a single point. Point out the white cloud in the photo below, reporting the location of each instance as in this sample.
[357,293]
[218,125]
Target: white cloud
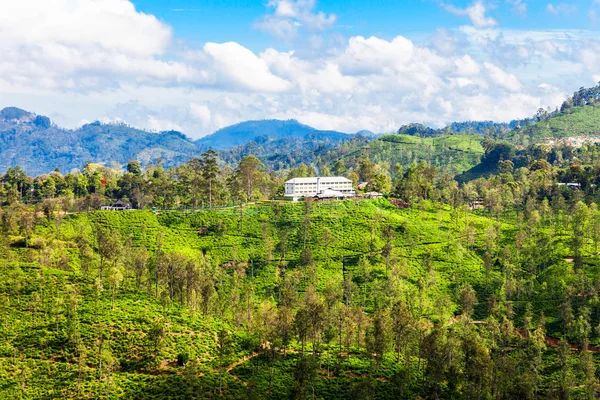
[201,112]
[85,45]
[159,125]
[475,12]
[519,7]
[502,78]
[561,9]
[112,25]
[475,72]
[237,66]
[291,16]
[466,66]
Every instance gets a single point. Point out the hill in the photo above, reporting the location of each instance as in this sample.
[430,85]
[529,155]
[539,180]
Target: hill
[292,151]
[244,132]
[578,117]
[34,143]
[450,153]
[583,121]
[39,146]
[277,301]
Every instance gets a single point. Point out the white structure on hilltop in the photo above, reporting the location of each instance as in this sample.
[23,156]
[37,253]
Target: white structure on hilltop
[321,187]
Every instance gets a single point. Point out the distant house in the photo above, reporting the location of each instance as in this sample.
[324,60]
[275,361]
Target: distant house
[118,206]
[372,195]
[476,204]
[570,185]
[362,185]
[327,187]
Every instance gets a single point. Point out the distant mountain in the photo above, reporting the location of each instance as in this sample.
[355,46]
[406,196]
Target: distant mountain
[245,132]
[39,146]
[286,152]
[34,143]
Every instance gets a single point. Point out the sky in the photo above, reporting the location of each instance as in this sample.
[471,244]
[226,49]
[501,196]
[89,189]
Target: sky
[199,65]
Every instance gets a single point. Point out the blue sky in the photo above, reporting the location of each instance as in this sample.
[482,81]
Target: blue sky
[200,21]
[197,66]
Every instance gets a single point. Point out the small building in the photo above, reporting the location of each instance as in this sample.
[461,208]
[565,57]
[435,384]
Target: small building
[299,188]
[570,185]
[476,204]
[120,205]
[372,195]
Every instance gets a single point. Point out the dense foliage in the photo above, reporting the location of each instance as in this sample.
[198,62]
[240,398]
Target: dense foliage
[483,285]
[482,290]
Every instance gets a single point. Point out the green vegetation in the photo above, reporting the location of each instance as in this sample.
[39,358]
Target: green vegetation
[478,286]
[284,300]
[577,121]
[450,153]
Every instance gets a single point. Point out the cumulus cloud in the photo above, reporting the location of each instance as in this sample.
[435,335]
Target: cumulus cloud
[475,72]
[377,84]
[475,12]
[239,67]
[84,45]
[288,17]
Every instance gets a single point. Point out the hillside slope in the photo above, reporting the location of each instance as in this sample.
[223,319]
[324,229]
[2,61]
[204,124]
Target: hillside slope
[38,146]
[34,143]
[73,337]
[276,301]
[576,122]
[451,153]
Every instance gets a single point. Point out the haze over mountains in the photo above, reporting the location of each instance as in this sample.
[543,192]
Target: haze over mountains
[36,144]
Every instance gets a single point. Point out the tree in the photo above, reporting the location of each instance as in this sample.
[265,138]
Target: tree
[210,170]
[389,234]
[339,168]
[401,324]
[378,337]
[109,247]
[478,364]
[247,176]
[224,348]
[566,382]
[467,299]
[154,343]
[134,168]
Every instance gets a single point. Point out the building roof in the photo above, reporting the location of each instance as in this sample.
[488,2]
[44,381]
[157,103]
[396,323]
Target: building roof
[322,180]
[330,193]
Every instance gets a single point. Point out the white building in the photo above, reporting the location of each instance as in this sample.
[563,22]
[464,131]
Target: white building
[310,187]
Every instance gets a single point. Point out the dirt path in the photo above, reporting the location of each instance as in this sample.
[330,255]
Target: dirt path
[241,360]
[556,341]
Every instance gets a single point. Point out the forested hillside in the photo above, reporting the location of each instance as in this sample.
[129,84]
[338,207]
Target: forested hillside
[281,300]
[578,117]
[262,131]
[486,289]
[450,153]
[477,276]
[573,122]
[35,143]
